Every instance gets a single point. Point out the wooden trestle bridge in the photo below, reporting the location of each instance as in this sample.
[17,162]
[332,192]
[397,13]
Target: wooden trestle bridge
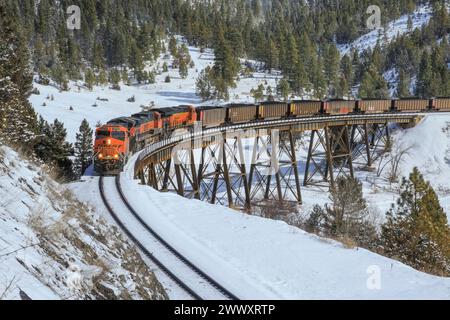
[241,165]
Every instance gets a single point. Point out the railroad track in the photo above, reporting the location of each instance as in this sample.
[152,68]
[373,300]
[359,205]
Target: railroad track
[186,275]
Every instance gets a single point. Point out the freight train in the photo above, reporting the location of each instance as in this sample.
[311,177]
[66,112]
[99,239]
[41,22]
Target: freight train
[120,137]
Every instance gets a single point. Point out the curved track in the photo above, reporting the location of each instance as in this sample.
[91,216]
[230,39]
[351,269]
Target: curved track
[183,272]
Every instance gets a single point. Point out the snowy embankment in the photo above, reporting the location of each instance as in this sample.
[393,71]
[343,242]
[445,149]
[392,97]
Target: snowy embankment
[54,247]
[420,17]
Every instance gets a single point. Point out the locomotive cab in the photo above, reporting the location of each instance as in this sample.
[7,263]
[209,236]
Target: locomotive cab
[111,149]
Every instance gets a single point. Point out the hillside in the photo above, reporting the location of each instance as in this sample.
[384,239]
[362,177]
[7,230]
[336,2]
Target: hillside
[419,18]
[52,246]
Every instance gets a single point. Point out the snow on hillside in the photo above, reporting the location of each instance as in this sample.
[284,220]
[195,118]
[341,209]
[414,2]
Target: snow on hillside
[420,17]
[177,92]
[429,150]
[262,258]
[54,247]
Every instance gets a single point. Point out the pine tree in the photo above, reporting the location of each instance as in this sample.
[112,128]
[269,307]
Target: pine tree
[410,24]
[89,79]
[258,93]
[136,61]
[102,78]
[296,71]
[283,89]
[226,67]
[292,59]
[319,81]
[315,221]
[17,117]
[347,73]
[269,93]
[53,148]
[173,48]
[348,208]
[204,86]
[59,75]
[424,77]
[83,149]
[273,56]
[377,58]
[165,67]
[416,231]
[98,56]
[183,69]
[403,85]
[373,85]
[331,62]
[15,55]
[114,78]
[125,77]
[151,77]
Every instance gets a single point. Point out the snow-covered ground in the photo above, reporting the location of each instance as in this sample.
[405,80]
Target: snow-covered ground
[420,17]
[54,247]
[258,258]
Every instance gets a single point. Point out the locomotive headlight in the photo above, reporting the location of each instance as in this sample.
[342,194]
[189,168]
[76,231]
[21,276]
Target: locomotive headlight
[108,142]
[116,156]
[100,156]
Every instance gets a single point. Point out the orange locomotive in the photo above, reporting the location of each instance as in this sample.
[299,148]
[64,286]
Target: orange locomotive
[112,145]
[117,139]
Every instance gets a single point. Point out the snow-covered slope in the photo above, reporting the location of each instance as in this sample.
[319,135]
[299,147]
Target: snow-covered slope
[262,258]
[428,147]
[420,17]
[54,247]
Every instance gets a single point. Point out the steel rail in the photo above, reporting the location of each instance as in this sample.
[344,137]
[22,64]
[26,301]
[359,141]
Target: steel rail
[144,250]
[213,283]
